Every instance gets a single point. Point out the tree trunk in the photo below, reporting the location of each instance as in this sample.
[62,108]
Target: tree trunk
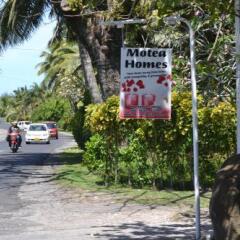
[171,176]
[103,46]
[89,76]
[129,176]
[154,167]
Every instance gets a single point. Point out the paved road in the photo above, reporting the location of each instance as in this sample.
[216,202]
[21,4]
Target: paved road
[15,170]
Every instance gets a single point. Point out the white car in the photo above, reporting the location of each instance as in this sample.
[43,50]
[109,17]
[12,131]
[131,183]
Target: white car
[23,125]
[37,133]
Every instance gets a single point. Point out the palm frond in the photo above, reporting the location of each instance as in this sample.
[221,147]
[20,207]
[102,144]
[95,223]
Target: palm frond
[18,19]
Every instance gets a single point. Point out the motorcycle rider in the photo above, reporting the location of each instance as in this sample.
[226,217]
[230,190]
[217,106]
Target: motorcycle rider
[14,129]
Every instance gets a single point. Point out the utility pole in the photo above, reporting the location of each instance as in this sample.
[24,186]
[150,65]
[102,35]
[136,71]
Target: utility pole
[237,36]
[174,20]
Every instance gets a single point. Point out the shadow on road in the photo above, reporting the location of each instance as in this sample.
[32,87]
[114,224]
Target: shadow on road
[16,168]
[140,230]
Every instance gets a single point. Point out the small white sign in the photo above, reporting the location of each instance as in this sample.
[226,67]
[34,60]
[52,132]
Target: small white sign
[146,82]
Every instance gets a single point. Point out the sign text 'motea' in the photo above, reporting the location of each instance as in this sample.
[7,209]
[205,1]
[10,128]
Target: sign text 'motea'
[145,53]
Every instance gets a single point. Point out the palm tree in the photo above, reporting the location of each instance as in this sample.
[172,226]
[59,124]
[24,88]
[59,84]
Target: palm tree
[61,67]
[62,57]
[99,46]
[37,95]
[18,19]
[22,102]
[6,101]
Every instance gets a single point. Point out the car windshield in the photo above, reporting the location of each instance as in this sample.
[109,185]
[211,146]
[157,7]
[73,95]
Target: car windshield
[27,123]
[51,125]
[37,128]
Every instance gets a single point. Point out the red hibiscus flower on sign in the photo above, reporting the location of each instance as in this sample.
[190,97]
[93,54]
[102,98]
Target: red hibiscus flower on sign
[130,85]
[166,80]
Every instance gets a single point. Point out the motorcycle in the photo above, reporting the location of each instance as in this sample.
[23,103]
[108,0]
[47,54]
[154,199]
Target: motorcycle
[13,142]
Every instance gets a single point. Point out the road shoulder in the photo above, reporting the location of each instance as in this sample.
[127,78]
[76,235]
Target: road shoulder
[61,212]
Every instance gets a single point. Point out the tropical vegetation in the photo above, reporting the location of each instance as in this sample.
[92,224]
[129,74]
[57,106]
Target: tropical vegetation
[81,69]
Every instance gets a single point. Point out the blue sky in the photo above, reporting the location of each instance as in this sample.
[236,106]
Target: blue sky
[18,64]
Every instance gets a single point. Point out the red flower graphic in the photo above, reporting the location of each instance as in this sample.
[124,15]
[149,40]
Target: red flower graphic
[163,78]
[130,84]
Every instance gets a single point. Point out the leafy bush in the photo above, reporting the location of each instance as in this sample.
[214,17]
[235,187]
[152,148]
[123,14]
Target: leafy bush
[159,152]
[133,162]
[96,156]
[80,132]
[54,109]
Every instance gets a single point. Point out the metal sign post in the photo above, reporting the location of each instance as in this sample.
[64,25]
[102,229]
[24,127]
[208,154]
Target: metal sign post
[173,20]
[237,36]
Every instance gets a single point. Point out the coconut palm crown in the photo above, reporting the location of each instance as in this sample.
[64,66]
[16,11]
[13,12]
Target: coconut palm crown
[19,19]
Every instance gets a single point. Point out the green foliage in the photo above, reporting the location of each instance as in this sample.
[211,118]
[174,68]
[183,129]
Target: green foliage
[77,175]
[79,5]
[80,133]
[5,104]
[95,155]
[53,109]
[18,19]
[60,61]
[219,123]
[168,144]
[133,162]
[159,153]
[20,104]
[213,22]
[103,117]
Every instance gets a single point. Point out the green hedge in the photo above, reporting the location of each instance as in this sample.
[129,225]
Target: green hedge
[158,152]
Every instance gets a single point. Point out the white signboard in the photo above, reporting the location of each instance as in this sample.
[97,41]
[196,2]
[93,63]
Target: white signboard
[146,82]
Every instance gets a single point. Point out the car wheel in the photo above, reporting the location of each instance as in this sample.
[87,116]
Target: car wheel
[57,137]
[27,142]
[48,142]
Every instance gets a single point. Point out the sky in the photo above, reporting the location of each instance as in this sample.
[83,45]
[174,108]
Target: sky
[18,64]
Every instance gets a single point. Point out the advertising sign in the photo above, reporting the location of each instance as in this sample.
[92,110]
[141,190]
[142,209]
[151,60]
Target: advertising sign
[146,82]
